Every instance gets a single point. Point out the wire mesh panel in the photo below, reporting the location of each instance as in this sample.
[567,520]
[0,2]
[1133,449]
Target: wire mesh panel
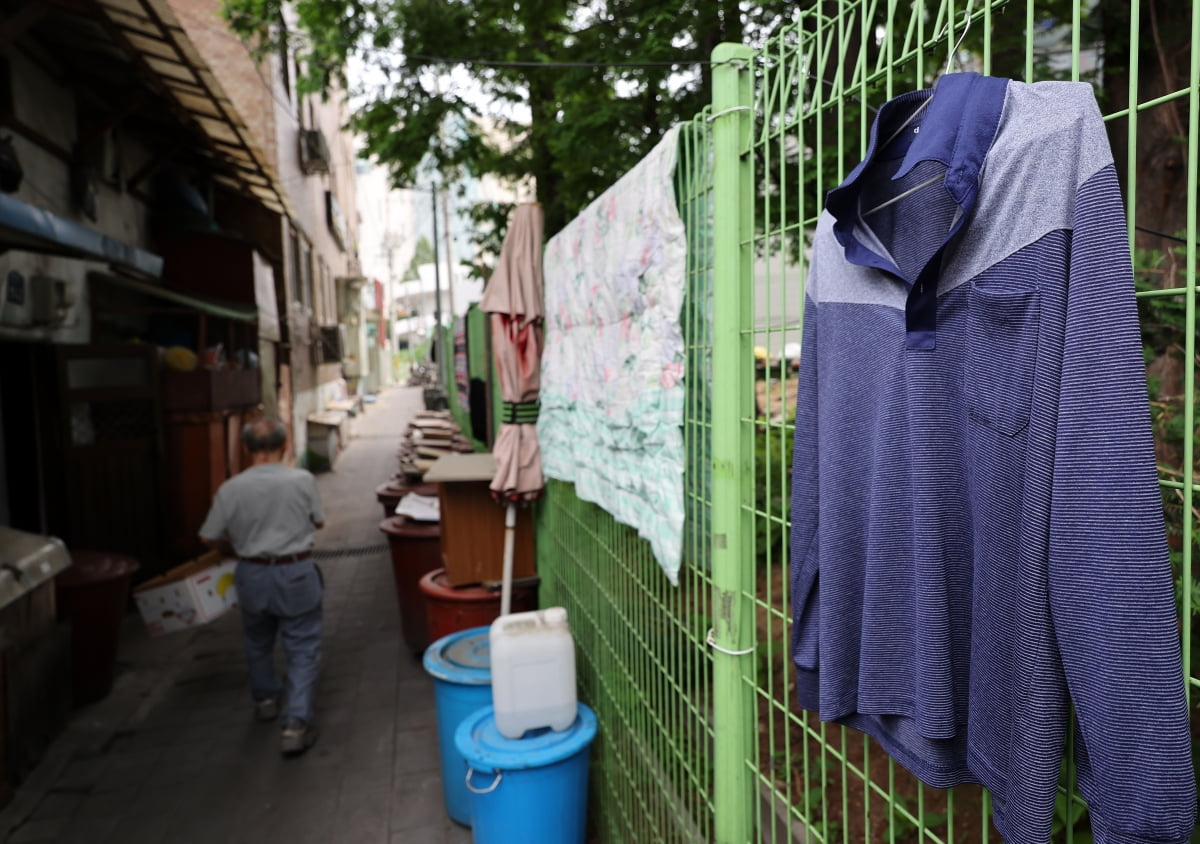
[816,86]
[642,661]
[700,743]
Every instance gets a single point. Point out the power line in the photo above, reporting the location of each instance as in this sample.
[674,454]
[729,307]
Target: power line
[552,64]
[372,50]
[1164,235]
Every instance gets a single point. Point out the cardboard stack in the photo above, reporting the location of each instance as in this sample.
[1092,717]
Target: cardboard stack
[431,435]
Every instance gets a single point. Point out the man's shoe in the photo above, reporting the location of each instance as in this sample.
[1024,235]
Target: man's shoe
[266,710]
[297,737]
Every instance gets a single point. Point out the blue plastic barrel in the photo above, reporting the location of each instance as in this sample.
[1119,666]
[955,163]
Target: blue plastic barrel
[531,790]
[461,667]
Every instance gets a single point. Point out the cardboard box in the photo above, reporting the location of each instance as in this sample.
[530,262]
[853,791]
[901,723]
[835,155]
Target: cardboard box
[189,595]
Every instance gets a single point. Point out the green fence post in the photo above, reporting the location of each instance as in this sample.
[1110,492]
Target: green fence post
[1189,345]
[732,452]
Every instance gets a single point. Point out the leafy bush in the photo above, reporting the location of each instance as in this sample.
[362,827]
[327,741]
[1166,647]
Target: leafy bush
[772,490]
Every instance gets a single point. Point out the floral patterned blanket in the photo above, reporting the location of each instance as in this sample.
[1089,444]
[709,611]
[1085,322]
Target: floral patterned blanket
[613,364]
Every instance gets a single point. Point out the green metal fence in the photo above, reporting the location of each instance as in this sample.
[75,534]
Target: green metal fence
[697,743]
[642,661]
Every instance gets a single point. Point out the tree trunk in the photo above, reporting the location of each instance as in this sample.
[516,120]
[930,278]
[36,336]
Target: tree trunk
[1161,155]
[543,166]
[1160,204]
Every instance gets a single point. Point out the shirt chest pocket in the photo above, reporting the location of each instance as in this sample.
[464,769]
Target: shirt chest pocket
[1002,346]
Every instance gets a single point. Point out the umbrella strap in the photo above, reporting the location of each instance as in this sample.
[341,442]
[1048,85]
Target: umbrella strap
[519,413]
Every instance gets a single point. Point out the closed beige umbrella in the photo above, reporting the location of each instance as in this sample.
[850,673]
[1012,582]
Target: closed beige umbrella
[518,350]
[514,298]
[515,287]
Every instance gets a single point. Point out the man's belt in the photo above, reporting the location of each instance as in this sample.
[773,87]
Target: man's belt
[283,559]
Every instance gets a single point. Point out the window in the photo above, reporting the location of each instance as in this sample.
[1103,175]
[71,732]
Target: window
[299,114]
[332,344]
[331,295]
[306,271]
[322,294]
[296,275]
[302,271]
[285,59]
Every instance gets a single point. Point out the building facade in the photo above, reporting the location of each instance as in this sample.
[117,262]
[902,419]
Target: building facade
[161,280]
[395,220]
[316,241]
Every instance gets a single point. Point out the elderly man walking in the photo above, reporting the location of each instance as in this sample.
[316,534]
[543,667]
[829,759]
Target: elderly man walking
[266,518]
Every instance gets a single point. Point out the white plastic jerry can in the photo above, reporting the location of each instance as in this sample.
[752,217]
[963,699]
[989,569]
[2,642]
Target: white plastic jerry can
[533,671]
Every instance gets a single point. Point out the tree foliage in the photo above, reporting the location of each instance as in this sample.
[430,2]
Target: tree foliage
[422,254]
[570,92]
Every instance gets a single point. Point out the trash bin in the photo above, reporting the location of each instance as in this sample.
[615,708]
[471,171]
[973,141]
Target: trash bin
[416,549]
[389,494]
[536,784]
[92,594]
[452,608]
[460,665]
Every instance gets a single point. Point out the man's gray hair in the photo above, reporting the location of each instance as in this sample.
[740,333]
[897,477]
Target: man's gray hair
[265,434]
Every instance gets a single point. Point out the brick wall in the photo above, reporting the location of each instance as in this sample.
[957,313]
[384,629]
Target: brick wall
[249,87]
[275,114]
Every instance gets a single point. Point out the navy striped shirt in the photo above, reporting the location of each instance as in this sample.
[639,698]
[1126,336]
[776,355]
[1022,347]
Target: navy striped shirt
[977,536]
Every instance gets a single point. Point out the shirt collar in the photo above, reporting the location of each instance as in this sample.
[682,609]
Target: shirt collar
[957,130]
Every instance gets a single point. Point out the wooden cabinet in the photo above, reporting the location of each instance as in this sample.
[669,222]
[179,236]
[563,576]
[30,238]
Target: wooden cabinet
[204,413]
[202,451]
[206,390]
[473,522]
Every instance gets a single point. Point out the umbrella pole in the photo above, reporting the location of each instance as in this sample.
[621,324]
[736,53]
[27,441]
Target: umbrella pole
[510,529]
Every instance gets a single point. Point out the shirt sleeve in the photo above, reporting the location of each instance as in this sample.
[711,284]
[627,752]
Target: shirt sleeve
[805,504]
[215,524]
[1112,600]
[318,515]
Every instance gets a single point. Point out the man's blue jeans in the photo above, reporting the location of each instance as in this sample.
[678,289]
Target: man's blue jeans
[283,599]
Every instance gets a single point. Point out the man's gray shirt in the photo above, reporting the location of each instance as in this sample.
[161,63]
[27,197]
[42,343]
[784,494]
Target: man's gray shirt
[266,511]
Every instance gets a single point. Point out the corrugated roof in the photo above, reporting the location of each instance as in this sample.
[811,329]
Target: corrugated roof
[151,30]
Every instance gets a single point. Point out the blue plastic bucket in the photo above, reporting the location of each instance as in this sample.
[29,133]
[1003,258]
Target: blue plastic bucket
[531,790]
[461,667]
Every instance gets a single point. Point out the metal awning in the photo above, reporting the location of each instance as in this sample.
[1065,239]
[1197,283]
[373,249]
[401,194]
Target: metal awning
[154,34]
[32,229]
[212,307]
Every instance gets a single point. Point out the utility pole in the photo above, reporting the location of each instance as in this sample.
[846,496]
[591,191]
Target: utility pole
[448,235]
[437,290]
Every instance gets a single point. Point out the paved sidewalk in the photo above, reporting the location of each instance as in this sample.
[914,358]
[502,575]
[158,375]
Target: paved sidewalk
[174,755]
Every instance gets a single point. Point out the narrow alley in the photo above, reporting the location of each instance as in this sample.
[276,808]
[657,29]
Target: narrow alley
[174,754]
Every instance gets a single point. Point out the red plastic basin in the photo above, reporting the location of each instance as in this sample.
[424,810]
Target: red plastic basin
[416,549]
[450,609]
[93,594]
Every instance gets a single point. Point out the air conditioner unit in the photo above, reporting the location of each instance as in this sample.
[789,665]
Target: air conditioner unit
[52,299]
[16,299]
[314,151]
[33,300]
